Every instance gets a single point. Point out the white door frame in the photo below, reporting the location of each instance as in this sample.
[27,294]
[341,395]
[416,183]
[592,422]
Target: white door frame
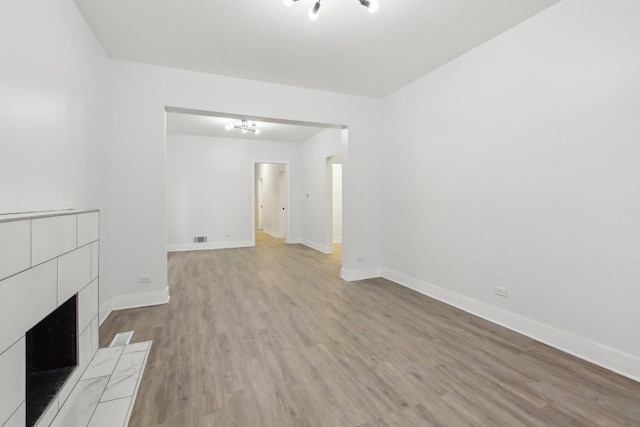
[282,193]
[328,230]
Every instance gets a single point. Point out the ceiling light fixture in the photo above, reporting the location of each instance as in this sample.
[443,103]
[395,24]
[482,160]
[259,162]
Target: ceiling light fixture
[244,127]
[371,5]
[314,12]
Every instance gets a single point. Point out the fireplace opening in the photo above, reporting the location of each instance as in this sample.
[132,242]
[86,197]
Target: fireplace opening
[52,355]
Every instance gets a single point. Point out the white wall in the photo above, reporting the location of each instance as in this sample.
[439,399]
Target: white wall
[316,188]
[336,207]
[53,115]
[516,165]
[136,241]
[210,188]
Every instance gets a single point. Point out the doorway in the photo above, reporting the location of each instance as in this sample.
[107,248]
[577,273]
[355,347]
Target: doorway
[271,208]
[334,214]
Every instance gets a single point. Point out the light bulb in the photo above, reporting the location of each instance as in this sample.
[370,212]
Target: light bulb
[229,126]
[373,6]
[257,131]
[288,3]
[244,131]
[314,12]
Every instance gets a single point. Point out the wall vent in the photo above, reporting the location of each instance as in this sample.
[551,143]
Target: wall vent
[200,239]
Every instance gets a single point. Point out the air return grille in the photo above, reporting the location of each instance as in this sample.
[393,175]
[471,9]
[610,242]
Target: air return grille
[200,239]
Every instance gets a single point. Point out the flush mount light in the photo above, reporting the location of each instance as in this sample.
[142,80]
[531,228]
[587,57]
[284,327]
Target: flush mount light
[314,12]
[244,126]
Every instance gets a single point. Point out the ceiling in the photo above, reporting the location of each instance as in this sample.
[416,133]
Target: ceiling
[205,125]
[347,50]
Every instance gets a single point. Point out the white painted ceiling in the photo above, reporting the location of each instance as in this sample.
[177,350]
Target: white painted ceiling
[347,50]
[202,125]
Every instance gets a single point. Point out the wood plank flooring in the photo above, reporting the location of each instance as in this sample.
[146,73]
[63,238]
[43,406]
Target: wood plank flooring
[271,336]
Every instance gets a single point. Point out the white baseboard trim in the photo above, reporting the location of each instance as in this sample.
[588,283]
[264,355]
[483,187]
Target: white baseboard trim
[317,246]
[272,233]
[209,246]
[598,354]
[337,239]
[104,311]
[354,275]
[294,240]
[123,302]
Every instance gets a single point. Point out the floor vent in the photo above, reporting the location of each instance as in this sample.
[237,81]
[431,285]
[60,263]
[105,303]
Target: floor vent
[123,338]
[200,239]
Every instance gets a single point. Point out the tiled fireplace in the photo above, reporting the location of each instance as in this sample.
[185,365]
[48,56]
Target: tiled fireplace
[48,310]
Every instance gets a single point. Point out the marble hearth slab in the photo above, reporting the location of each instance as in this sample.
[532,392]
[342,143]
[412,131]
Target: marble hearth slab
[106,392]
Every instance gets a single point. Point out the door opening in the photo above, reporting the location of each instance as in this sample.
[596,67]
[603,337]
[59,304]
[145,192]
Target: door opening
[271,199]
[333,227]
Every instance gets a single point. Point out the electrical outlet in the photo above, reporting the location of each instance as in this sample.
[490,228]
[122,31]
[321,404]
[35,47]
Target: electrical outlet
[144,279]
[360,258]
[500,291]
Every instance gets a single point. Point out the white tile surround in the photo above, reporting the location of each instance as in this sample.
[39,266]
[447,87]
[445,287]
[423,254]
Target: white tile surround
[45,258]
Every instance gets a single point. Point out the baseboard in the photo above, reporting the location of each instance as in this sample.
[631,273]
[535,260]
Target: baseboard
[272,233]
[294,240]
[353,275]
[105,310]
[209,246]
[337,239]
[598,354]
[317,246]
[123,302]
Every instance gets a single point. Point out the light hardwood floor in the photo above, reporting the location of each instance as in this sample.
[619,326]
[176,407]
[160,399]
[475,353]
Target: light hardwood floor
[271,336]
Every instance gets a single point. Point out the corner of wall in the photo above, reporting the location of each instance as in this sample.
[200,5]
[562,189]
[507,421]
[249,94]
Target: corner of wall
[105,311]
[354,275]
[123,302]
[325,249]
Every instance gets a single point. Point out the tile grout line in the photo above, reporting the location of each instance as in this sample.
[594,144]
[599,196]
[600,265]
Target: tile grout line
[114,366]
[12,344]
[105,386]
[24,402]
[133,396]
[60,405]
[137,387]
[46,261]
[70,393]
[96,407]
